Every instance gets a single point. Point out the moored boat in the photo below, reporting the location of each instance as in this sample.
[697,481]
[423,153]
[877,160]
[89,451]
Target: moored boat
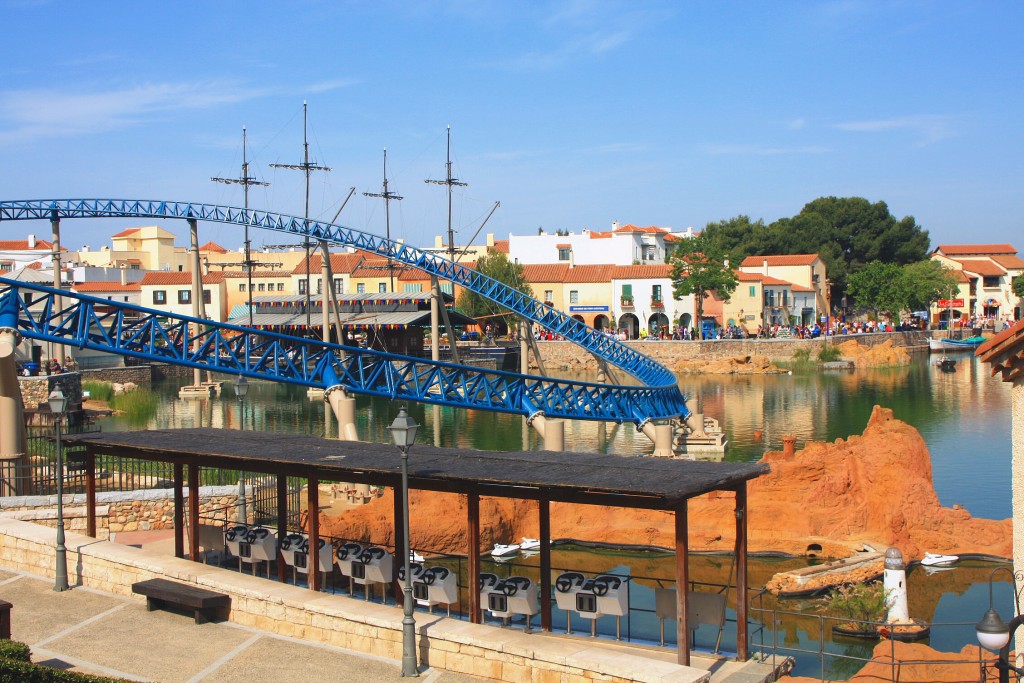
[955,344]
[502,550]
[530,544]
[936,560]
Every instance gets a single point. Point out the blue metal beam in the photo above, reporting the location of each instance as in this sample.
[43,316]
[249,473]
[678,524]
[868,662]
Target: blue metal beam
[646,370]
[158,336]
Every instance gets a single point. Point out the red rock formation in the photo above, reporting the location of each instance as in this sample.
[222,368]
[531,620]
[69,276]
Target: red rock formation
[875,488]
[917,663]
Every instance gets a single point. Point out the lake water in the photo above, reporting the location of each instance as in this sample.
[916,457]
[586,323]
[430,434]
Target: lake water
[964,418]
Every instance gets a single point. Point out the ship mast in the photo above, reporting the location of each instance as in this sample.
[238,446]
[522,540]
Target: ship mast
[388,196]
[307,167]
[245,180]
[450,182]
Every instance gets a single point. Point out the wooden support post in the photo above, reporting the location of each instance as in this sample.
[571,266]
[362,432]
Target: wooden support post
[179,510]
[741,573]
[313,498]
[90,492]
[193,512]
[282,526]
[682,586]
[545,565]
[396,522]
[473,554]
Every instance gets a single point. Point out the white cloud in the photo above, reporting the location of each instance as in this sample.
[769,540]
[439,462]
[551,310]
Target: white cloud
[931,128]
[27,115]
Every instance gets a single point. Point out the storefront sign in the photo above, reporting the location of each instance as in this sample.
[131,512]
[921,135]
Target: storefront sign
[955,303]
[588,309]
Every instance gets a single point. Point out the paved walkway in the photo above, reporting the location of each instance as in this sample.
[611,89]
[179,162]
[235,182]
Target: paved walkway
[99,633]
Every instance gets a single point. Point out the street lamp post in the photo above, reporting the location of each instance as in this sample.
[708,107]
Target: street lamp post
[241,389]
[995,634]
[58,404]
[403,431]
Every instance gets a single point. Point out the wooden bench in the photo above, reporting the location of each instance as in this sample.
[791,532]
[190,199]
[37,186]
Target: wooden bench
[161,592]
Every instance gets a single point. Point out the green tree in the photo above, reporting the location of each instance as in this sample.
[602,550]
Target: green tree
[498,267]
[925,282]
[738,237]
[699,268]
[1018,286]
[879,286]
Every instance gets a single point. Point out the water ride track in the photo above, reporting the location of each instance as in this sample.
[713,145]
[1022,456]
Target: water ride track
[101,324]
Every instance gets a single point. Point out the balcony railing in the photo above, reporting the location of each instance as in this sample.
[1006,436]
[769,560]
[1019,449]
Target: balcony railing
[627,301]
[657,303]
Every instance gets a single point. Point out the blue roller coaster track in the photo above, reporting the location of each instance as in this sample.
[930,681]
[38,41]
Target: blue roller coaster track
[152,335]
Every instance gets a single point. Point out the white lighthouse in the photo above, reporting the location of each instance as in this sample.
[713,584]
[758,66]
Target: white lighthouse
[895,583]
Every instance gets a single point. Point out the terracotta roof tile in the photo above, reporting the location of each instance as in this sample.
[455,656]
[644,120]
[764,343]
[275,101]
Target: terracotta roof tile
[178,277]
[22,245]
[213,247]
[600,235]
[650,229]
[87,287]
[500,247]
[341,263]
[982,267]
[545,272]
[642,272]
[256,274]
[1013,262]
[974,249]
[591,273]
[779,260]
[126,233]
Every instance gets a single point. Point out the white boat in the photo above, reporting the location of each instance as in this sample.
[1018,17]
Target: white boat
[502,550]
[935,560]
[530,544]
[415,556]
[944,344]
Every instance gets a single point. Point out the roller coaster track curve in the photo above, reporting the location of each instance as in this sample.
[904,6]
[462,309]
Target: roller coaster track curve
[659,398]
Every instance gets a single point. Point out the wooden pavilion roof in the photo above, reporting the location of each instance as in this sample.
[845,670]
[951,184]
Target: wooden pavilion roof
[588,478]
[1005,352]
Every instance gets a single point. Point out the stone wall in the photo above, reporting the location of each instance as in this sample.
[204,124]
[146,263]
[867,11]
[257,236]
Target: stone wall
[489,652]
[563,355]
[137,374]
[119,511]
[35,391]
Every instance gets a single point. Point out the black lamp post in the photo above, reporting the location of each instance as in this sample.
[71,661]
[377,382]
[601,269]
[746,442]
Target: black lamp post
[403,431]
[241,389]
[995,634]
[58,404]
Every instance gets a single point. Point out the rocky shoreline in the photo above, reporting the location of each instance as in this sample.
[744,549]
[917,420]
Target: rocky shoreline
[829,499]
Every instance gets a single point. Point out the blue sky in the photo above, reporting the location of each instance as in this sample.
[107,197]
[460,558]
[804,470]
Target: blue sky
[571,114]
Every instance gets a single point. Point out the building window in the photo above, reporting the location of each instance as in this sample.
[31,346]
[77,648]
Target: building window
[207,297]
[280,286]
[320,286]
[656,292]
[339,285]
[412,287]
[648,252]
[574,296]
[991,282]
[361,288]
[549,295]
[563,253]
[159,297]
[382,288]
[241,288]
[184,296]
[753,290]
[448,287]
[126,299]
[302,286]
[6,266]
[769,297]
[134,266]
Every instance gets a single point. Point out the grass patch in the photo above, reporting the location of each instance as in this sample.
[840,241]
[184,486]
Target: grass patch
[137,406]
[829,353]
[799,362]
[99,391]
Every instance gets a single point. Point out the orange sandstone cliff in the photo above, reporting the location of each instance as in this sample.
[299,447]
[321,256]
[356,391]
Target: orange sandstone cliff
[875,488]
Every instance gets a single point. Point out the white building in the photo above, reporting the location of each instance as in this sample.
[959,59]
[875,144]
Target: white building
[643,299]
[621,246]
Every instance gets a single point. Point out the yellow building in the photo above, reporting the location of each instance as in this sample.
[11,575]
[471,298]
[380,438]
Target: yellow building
[806,270]
[172,292]
[986,273]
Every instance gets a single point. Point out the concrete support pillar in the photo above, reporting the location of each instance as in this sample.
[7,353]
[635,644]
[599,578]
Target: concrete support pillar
[696,424]
[58,349]
[552,431]
[197,286]
[660,436]
[789,445]
[344,407]
[525,333]
[435,320]
[13,448]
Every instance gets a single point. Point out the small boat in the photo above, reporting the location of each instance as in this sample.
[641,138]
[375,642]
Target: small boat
[415,556]
[935,560]
[946,364]
[530,544]
[955,344]
[503,550]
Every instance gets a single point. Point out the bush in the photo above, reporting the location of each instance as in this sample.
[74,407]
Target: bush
[859,602]
[101,391]
[138,405]
[829,353]
[15,667]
